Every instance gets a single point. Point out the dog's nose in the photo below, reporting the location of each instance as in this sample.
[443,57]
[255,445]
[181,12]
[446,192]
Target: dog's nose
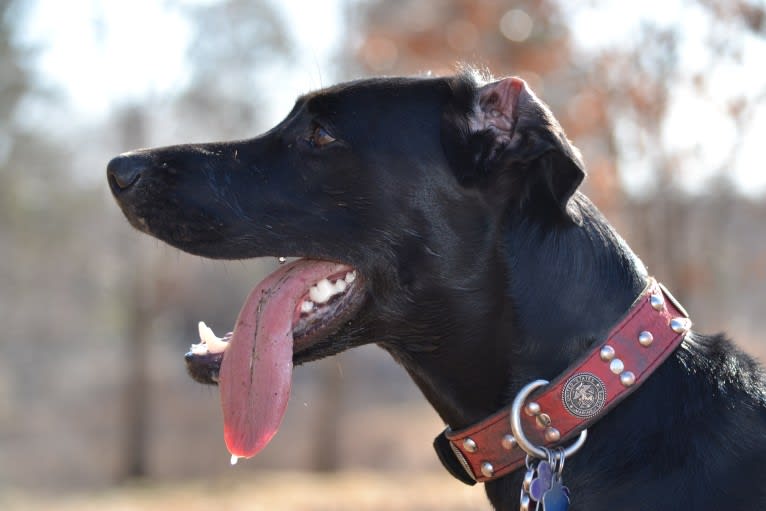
[125,170]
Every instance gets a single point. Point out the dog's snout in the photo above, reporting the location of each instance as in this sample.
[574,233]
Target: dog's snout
[125,170]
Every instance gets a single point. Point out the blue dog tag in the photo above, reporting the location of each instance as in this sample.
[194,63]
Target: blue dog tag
[557,497]
[541,483]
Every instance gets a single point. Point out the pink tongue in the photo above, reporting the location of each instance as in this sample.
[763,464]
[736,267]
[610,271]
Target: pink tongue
[257,366]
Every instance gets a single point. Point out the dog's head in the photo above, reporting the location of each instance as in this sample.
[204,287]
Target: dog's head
[345,154]
[404,184]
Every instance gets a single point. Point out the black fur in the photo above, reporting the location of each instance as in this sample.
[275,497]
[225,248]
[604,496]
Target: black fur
[484,268]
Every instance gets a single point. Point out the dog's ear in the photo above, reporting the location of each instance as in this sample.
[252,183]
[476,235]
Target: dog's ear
[518,148]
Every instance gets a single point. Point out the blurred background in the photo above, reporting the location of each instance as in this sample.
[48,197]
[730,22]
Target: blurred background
[665,98]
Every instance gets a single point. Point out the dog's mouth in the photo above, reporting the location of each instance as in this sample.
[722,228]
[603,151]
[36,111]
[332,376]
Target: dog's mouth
[289,312]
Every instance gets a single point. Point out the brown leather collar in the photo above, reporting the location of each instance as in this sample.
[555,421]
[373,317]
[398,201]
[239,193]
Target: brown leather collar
[651,330]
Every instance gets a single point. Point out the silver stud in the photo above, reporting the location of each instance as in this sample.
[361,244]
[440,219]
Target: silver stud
[543,420]
[657,301]
[616,366]
[508,442]
[532,409]
[645,338]
[627,378]
[524,503]
[469,445]
[487,469]
[680,325]
[552,435]
[607,353]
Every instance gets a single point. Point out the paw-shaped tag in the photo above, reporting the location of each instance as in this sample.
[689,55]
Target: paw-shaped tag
[556,498]
[542,482]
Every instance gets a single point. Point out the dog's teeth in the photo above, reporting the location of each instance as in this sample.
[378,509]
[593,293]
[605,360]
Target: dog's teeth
[205,332]
[307,306]
[340,285]
[218,346]
[199,349]
[234,459]
[326,286]
[350,276]
[214,343]
[322,292]
[316,296]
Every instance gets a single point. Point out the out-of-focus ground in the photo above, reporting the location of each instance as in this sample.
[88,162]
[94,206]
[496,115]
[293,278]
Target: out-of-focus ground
[268,491]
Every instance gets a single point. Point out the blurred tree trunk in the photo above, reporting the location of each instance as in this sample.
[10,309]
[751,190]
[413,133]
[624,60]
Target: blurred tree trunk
[136,405]
[326,432]
[138,318]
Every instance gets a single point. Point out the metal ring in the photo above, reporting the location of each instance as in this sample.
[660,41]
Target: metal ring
[561,457]
[518,432]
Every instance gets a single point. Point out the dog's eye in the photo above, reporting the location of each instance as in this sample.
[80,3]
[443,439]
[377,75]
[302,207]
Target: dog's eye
[320,137]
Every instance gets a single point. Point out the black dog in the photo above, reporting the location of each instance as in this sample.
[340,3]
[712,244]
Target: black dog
[480,268]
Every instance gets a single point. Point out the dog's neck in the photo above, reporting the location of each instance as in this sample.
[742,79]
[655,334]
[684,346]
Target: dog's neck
[569,288]
[563,290]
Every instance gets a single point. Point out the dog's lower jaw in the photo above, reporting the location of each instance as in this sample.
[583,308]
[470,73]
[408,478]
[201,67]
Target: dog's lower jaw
[323,313]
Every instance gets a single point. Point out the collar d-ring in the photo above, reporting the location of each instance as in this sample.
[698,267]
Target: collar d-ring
[518,431]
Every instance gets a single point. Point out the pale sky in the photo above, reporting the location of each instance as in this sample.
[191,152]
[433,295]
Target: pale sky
[105,53]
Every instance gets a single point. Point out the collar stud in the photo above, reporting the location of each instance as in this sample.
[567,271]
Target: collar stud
[616,366]
[627,378]
[680,325]
[487,469]
[645,338]
[607,353]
